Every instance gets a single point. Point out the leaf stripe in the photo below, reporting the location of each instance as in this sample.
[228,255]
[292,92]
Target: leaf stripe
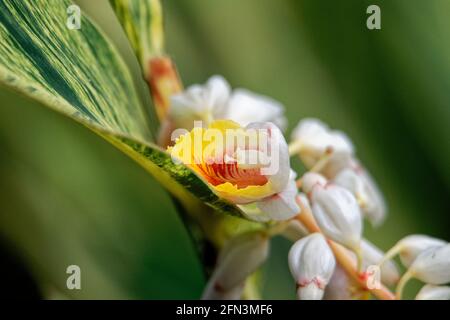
[78,66]
[142,22]
[39,61]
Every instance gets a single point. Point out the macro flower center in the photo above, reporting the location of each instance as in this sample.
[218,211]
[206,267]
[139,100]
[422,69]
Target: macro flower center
[218,173]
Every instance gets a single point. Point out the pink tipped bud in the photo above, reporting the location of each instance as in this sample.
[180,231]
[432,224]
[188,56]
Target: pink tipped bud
[432,266]
[312,263]
[430,292]
[310,180]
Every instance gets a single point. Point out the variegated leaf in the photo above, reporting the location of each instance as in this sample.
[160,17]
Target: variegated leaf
[80,74]
[142,22]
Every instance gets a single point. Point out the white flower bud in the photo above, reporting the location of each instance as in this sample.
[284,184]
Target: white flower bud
[363,187]
[240,257]
[432,266]
[411,246]
[312,263]
[311,180]
[372,255]
[312,139]
[339,287]
[336,164]
[338,215]
[430,292]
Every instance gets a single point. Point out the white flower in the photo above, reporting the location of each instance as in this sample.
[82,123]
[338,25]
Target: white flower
[339,287]
[264,188]
[240,257]
[432,266]
[337,163]
[430,292]
[337,213]
[331,153]
[373,255]
[215,101]
[245,107]
[312,139]
[199,102]
[363,187]
[310,180]
[312,263]
[411,246]
[282,205]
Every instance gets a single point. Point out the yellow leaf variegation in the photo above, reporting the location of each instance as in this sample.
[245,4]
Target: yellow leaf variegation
[80,74]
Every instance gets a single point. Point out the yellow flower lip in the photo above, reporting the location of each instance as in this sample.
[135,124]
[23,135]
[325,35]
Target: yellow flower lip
[215,156]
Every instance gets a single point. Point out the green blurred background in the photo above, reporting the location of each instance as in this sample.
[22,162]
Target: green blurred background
[67,197]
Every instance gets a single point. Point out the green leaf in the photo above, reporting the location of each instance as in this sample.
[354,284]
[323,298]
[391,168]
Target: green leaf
[142,21]
[80,74]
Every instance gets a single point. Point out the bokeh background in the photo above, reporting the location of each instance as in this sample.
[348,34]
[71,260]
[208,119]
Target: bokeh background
[67,197]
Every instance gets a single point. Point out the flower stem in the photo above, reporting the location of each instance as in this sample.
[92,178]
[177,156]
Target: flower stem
[389,255]
[322,162]
[342,257]
[359,257]
[401,284]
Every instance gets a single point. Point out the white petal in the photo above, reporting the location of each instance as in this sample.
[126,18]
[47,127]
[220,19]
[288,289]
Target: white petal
[283,205]
[310,292]
[430,292]
[309,128]
[245,107]
[433,265]
[411,246]
[337,214]
[217,94]
[240,257]
[337,162]
[339,286]
[372,255]
[311,261]
[199,102]
[311,180]
[363,187]
[279,169]
[316,138]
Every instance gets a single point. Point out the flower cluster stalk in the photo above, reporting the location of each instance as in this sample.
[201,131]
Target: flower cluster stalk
[343,258]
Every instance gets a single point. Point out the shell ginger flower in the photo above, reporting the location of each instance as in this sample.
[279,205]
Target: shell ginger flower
[246,166]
